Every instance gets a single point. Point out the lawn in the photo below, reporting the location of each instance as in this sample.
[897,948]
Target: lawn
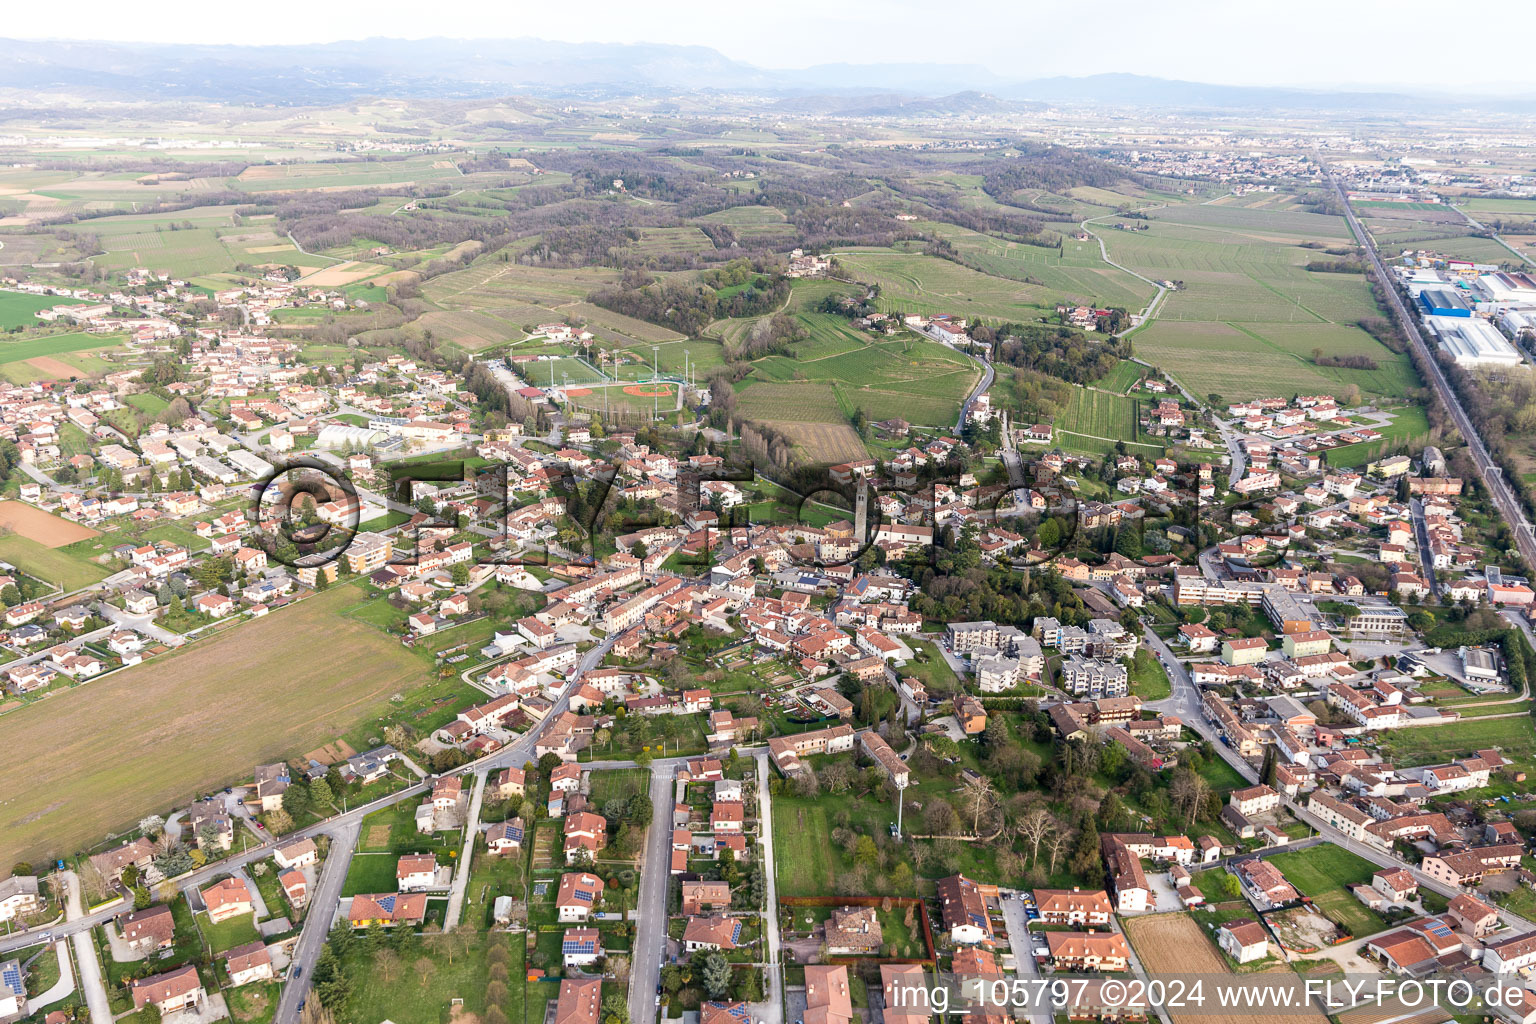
[252,1004]
[193,713]
[390,832]
[419,986]
[807,862]
[1149,680]
[229,933]
[928,664]
[372,872]
[1324,873]
[619,784]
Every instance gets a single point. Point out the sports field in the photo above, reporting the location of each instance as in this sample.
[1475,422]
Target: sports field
[198,718]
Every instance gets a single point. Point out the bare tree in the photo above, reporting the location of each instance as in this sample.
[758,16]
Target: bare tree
[1033,828]
[1056,844]
[1188,793]
[978,788]
[424,967]
[92,883]
[387,962]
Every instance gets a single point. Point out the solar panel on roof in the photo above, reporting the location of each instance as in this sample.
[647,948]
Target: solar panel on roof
[387,903]
[1439,929]
[582,894]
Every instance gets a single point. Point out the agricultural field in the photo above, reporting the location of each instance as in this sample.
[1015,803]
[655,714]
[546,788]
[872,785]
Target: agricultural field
[790,402]
[357,173]
[31,523]
[757,223]
[1100,415]
[1256,360]
[1122,378]
[1249,314]
[914,283]
[1515,737]
[192,727]
[921,381]
[16,308]
[1176,944]
[667,242]
[1075,273]
[65,567]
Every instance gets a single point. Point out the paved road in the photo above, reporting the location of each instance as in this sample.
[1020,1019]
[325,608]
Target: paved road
[1421,540]
[317,923]
[1490,472]
[1185,702]
[986,381]
[1021,943]
[774,1012]
[655,876]
[323,907]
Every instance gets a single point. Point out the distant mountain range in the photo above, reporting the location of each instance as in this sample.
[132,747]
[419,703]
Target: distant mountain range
[320,74]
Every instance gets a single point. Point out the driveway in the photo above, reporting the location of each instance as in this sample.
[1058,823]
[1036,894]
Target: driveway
[85,955]
[61,988]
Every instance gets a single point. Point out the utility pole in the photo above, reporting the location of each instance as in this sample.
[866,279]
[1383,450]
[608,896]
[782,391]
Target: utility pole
[655,379]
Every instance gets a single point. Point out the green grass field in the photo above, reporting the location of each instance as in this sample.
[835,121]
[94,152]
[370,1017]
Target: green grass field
[914,283]
[1122,378]
[1249,313]
[71,784]
[1324,873]
[66,566]
[370,873]
[1515,737]
[16,308]
[920,381]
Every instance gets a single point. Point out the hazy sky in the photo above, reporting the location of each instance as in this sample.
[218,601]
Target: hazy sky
[1406,43]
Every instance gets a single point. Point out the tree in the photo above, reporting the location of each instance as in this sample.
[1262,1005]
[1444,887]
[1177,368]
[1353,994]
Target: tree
[715,974]
[978,789]
[279,821]
[424,968]
[320,792]
[1033,828]
[615,1009]
[151,825]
